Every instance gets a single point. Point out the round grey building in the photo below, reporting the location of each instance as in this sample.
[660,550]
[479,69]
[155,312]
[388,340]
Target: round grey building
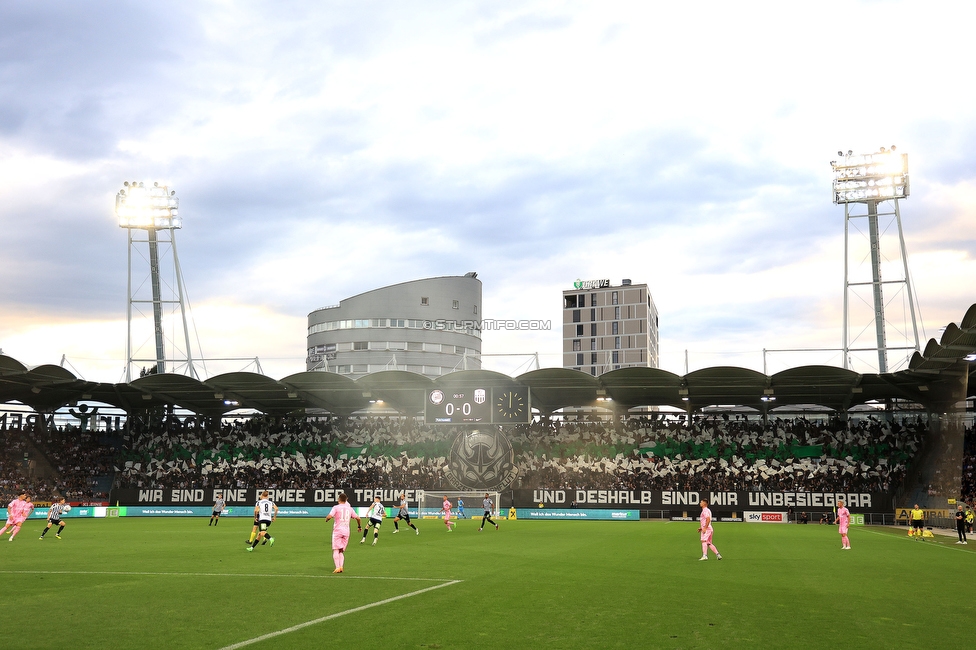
[428,326]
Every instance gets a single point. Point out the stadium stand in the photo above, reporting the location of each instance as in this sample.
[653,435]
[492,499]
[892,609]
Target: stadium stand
[711,453]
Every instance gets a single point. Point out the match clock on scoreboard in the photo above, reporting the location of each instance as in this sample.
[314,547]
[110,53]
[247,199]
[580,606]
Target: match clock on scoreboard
[510,405]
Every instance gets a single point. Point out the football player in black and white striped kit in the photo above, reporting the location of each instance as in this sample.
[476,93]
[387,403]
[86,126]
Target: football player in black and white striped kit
[376,513]
[489,508]
[403,514]
[54,517]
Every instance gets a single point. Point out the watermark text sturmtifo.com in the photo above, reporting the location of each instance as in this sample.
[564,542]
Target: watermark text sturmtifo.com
[488,324]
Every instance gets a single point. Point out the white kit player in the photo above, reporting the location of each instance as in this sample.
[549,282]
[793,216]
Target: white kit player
[705,528]
[265,512]
[375,513]
[403,514]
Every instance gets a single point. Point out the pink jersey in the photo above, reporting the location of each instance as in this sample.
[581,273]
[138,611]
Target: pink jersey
[447,508]
[342,512]
[17,510]
[705,519]
[843,517]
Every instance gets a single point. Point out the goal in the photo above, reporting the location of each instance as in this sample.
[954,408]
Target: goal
[473,503]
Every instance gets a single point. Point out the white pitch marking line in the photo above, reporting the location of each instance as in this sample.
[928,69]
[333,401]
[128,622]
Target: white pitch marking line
[295,628]
[939,544]
[220,575]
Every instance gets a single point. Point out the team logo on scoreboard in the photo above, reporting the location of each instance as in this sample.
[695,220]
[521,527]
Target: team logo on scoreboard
[481,460]
[479,396]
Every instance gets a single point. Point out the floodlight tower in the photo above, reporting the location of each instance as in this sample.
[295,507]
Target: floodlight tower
[869,181]
[155,210]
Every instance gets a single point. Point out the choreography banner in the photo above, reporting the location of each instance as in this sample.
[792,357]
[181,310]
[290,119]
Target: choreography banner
[736,501]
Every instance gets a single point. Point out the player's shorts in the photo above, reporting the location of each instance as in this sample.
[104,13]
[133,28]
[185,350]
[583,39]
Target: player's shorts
[843,530]
[706,535]
[264,525]
[447,516]
[55,522]
[339,542]
[917,523]
[405,516]
[487,514]
[216,513]
[376,523]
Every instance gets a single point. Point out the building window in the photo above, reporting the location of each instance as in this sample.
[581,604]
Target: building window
[456,305]
[592,329]
[582,300]
[476,309]
[592,300]
[360,345]
[579,359]
[570,302]
[577,346]
[616,343]
[613,297]
[616,356]
[576,315]
[593,344]
[616,313]
[614,327]
[593,357]
[592,314]
[356,369]
[415,346]
[579,330]
[593,370]
[425,301]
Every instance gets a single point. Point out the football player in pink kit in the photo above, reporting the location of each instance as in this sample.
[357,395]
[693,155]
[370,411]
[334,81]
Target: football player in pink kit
[342,512]
[843,521]
[446,509]
[705,528]
[17,512]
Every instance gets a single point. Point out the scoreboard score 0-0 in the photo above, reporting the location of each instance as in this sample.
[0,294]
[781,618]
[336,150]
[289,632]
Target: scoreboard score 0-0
[477,405]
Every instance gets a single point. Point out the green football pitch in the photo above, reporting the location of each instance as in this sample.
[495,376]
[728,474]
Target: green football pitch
[177,583]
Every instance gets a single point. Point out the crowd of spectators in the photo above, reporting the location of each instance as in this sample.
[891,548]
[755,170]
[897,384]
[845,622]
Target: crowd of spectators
[711,453]
[969,467]
[715,453]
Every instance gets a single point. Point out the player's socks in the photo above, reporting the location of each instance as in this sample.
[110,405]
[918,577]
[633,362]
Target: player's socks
[254,543]
[396,526]
[335,558]
[415,528]
[44,532]
[251,538]
[60,528]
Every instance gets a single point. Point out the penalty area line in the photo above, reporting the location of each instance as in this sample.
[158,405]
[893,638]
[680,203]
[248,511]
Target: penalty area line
[295,628]
[185,574]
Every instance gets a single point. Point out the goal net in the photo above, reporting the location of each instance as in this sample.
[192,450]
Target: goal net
[433,502]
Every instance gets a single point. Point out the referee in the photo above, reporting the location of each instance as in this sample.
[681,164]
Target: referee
[918,519]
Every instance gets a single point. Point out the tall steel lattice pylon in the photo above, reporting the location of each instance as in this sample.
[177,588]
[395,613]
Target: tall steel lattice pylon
[870,187]
[154,210]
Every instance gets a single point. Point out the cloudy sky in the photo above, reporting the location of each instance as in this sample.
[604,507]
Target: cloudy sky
[324,149]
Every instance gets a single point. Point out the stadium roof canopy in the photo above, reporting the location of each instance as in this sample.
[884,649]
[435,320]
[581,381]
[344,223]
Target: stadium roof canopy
[937,378]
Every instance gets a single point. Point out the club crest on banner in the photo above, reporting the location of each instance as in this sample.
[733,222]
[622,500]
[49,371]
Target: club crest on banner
[481,459]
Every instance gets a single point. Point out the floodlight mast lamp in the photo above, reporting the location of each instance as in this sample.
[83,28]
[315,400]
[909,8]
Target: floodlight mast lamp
[871,179]
[156,210]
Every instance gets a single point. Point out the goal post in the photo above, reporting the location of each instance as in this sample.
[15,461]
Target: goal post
[433,502]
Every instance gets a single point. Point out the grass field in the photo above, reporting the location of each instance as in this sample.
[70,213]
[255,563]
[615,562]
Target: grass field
[177,583]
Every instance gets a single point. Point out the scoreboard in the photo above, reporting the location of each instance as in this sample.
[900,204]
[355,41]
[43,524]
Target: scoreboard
[487,405]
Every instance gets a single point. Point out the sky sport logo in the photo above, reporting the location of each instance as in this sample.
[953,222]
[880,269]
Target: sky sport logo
[488,324]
